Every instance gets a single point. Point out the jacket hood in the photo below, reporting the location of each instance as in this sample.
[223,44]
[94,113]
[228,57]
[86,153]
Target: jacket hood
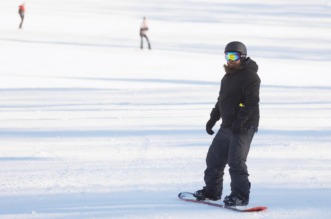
[250,65]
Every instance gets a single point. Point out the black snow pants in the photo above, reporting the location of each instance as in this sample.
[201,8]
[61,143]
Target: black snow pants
[232,149]
[21,13]
[142,42]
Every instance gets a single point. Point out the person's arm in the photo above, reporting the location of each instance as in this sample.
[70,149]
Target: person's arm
[215,115]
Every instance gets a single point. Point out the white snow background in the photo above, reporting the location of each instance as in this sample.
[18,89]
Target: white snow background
[93,127]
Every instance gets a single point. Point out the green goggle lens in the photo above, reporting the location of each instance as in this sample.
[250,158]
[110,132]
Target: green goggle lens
[232,56]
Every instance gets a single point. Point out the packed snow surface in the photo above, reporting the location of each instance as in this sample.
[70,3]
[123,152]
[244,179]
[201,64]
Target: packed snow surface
[91,126]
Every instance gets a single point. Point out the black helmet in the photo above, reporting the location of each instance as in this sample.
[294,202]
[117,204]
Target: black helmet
[236,46]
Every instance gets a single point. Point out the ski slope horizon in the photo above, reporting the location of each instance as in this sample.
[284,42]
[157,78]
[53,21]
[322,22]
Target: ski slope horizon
[94,127]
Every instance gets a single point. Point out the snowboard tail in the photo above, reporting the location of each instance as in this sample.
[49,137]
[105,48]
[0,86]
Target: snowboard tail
[188,197]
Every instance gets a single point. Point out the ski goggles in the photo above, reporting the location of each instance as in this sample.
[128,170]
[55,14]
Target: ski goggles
[232,56]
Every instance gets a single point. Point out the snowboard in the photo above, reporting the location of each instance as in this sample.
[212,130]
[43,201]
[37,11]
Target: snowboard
[188,197]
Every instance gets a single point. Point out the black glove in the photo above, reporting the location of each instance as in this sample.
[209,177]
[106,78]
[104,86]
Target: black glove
[210,124]
[238,127]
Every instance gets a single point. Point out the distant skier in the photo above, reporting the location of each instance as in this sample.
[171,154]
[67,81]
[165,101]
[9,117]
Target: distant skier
[21,12]
[143,31]
[238,107]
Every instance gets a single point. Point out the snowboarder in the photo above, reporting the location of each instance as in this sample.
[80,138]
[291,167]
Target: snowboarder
[238,107]
[143,33]
[21,12]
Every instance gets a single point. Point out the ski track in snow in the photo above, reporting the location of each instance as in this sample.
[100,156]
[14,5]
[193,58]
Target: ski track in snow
[93,127]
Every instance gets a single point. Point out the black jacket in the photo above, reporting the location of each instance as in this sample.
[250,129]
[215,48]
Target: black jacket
[241,86]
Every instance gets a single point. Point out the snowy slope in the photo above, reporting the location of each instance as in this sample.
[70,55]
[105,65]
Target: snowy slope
[93,127]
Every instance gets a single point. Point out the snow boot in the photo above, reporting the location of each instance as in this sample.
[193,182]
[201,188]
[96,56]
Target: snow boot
[235,200]
[203,194]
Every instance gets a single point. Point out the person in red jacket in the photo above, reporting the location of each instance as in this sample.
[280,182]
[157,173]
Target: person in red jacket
[21,12]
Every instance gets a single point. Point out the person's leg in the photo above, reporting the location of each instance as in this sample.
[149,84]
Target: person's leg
[141,42]
[238,152]
[22,19]
[149,45]
[217,158]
